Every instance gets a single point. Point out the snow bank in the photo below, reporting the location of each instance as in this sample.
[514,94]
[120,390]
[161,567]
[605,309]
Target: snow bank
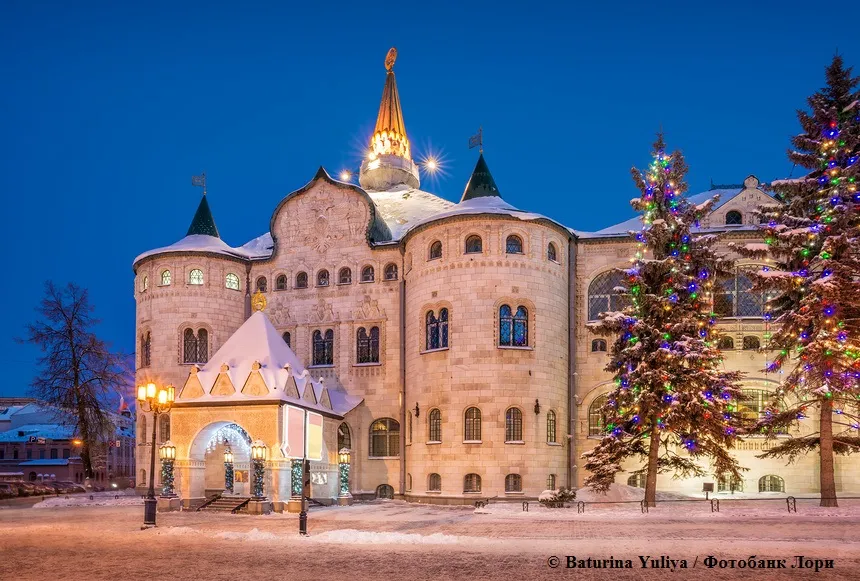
[106,498]
[623,493]
[353,536]
[252,535]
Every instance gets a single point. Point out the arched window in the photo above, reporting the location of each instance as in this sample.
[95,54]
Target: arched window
[262,284]
[367,345]
[32,477]
[596,420]
[344,276]
[513,425]
[602,296]
[322,278]
[189,346]
[550,427]
[165,278]
[435,424]
[390,272]
[472,483]
[726,343]
[435,250]
[598,345]
[145,283]
[434,483]
[771,483]
[288,339]
[513,483]
[408,482]
[636,480]
[195,277]
[550,482]
[735,297]
[384,438]
[323,347]
[344,440]
[281,282]
[302,280]
[472,427]
[474,245]
[146,350]
[729,484]
[551,252]
[367,274]
[751,343]
[437,329]
[164,428]
[231,281]
[202,346]
[514,245]
[513,327]
[734,218]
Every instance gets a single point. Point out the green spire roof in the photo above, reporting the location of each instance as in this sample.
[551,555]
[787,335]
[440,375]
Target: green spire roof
[481,184]
[203,222]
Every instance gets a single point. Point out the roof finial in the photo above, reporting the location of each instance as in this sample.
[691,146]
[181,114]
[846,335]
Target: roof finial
[390,58]
[258,301]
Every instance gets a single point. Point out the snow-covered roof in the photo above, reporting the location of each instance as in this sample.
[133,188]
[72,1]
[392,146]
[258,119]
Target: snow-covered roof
[256,346]
[48,431]
[403,207]
[213,245]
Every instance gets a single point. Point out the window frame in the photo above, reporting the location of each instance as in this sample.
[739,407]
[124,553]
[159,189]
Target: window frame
[230,276]
[264,287]
[733,213]
[344,276]
[514,425]
[323,341]
[281,282]
[434,426]
[596,345]
[195,277]
[387,271]
[435,250]
[600,288]
[551,427]
[368,274]
[472,424]
[509,322]
[323,278]
[367,346]
[513,484]
[389,433]
[434,482]
[596,419]
[552,253]
[301,280]
[514,241]
[472,238]
[165,277]
[474,479]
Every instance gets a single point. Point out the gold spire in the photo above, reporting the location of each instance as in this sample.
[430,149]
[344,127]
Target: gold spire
[389,137]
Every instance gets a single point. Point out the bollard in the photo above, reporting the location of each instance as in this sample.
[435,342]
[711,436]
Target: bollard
[580,507]
[644,506]
[791,504]
[525,507]
[715,505]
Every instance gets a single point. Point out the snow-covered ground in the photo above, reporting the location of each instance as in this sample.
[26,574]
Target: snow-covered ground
[393,540]
[106,498]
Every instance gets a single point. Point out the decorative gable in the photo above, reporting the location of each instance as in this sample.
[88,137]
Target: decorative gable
[192,388]
[223,385]
[325,400]
[309,395]
[255,385]
[291,389]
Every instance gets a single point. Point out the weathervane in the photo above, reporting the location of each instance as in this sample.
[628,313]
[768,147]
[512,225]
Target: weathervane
[390,58]
[199,181]
[477,140]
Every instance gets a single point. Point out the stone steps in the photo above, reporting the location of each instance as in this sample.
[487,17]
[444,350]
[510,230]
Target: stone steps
[226,504]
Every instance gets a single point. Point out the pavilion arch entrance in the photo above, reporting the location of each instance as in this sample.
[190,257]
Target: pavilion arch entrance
[384,491]
[207,455]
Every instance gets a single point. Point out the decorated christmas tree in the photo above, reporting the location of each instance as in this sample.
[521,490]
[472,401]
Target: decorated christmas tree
[672,402]
[813,241]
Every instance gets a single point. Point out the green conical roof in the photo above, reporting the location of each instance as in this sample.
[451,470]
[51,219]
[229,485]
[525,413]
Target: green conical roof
[203,222]
[481,184]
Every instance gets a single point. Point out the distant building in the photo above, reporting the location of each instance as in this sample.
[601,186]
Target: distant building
[39,442]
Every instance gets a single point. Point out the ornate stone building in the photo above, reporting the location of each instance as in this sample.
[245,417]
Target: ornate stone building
[443,344]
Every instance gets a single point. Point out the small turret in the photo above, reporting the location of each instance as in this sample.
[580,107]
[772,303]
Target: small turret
[203,222]
[481,184]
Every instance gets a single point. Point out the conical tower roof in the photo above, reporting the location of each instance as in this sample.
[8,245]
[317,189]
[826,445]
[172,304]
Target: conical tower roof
[203,222]
[390,116]
[481,184]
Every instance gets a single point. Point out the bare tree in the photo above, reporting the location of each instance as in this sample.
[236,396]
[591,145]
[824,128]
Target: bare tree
[78,371]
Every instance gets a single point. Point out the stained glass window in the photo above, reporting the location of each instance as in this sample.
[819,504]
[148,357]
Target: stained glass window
[514,245]
[435,422]
[436,250]
[473,425]
[195,277]
[231,281]
[368,345]
[513,425]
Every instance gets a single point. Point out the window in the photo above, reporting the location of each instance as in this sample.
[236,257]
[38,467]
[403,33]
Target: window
[735,297]
[322,278]
[734,218]
[751,343]
[32,477]
[726,343]
[513,483]
[636,480]
[602,296]
[437,330]
[165,278]
[435,250]
[15,454]
[195,349]
[164,428]
[54,453]
[472,483]
[384,438]
[262,284]
[596,420]
[753,405]
[513,425]
[551,252]
[302,280]
[231,281]
[598,345]
[41,454]
[390,272]
[281,282]
[550,427]
[408,482]
[513,328]
[288,339]
[474,245]
[344,276]
[145,283]
[771,483]
[344,440]
[729,484]
[146,349]
[323,348]
[550,482]
[368,345]
[367,274]
[514,245]
[472,428]
[385,491]
[195,277]
[434,483]
[435,421]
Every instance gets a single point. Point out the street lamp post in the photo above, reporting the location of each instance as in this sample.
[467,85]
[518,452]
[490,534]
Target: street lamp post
[156,400]
[167,453]
[343,465]
[228,470]
[258,457]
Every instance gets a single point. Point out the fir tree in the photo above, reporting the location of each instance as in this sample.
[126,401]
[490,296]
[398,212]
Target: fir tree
[813,240]
[671,404]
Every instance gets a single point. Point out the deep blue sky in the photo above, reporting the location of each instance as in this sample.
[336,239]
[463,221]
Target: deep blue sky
[108,108]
